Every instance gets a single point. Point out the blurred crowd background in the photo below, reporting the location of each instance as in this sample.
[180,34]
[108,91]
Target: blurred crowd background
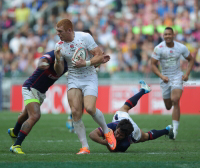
[127,30]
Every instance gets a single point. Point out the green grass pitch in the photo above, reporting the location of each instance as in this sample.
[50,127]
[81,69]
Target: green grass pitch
[50,144]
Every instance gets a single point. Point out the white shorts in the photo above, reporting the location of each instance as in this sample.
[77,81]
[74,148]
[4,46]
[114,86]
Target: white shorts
[171,85]
[120,115]
[88,84]
[33,94]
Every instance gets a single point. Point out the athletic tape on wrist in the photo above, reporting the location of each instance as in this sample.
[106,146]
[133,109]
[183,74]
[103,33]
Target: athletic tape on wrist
[88,63]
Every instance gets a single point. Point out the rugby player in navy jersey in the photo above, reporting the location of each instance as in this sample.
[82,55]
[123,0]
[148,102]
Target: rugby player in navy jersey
[33,91]
[125,129]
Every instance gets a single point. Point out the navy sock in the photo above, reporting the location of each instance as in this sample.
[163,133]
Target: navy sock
[154,134]
[133,100]
[21,136]
[17,128]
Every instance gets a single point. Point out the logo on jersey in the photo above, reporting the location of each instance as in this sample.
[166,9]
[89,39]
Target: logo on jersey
[160,46]
[72,48]
[171,51]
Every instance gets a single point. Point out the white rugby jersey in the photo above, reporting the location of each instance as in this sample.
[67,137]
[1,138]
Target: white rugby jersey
[81,39]
[170,58]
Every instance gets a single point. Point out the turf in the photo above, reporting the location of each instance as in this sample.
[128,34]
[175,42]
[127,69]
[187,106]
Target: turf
[50,144]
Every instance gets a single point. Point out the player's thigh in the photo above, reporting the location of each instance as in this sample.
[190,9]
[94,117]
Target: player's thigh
[176,95]
[75,99]
[90,104]
[32,99]
[33,110]
[166,90]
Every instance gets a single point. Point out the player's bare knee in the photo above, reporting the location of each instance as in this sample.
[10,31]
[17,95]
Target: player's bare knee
[168,107]
[91,110]
[175,101]
[146,137]
[22,116]
[75,110]
[124,108]
[76,115]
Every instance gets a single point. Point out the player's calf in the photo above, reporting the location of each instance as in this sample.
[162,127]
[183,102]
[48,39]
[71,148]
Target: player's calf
[154,134]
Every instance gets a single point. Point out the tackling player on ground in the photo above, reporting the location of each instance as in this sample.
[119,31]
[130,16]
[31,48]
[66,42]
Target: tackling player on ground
[33,91]
[126,131]
[82,79]
[169,54]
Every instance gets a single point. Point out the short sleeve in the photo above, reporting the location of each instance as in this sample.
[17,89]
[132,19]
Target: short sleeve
[49,56]
[90,43]
[156,54]
[56,46]
[185,51]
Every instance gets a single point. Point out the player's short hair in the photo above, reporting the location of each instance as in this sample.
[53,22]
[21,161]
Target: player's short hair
[125,126]
[88,31]
[66,23]
[169,28]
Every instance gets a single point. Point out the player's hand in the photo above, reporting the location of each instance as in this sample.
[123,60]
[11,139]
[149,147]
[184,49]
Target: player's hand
[165,79]
[80,63]
[106,58]
[43,64]
[185,77]
[58,54]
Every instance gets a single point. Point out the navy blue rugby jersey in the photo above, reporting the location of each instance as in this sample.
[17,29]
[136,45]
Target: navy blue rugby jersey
[43,79]
[123,144]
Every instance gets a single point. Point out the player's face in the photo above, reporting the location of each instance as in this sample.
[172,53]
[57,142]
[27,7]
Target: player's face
[119,135]
[64,35]
[168,36]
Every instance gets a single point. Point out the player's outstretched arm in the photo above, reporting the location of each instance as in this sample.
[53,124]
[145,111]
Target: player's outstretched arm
[190,65]
[59,63]
[98,58]
[96,136]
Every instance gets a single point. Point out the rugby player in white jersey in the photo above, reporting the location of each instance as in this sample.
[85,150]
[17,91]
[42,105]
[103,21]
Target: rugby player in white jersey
[82,79]
[169,53]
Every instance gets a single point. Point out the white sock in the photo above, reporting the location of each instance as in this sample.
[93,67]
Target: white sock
[175,127]
[99,118]
[80,131]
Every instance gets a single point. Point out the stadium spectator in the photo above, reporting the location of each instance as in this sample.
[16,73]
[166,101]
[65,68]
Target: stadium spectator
[22,14]
[16,42]
[110,22]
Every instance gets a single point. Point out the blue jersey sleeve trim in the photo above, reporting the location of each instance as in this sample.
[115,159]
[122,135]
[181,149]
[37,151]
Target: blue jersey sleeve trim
[49,61]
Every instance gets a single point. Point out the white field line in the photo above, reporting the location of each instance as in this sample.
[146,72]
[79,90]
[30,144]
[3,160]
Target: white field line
[151,153]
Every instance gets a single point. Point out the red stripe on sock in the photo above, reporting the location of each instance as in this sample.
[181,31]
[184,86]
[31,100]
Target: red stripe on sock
[128,101]
[23,132]
[150,136]
[19,122]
